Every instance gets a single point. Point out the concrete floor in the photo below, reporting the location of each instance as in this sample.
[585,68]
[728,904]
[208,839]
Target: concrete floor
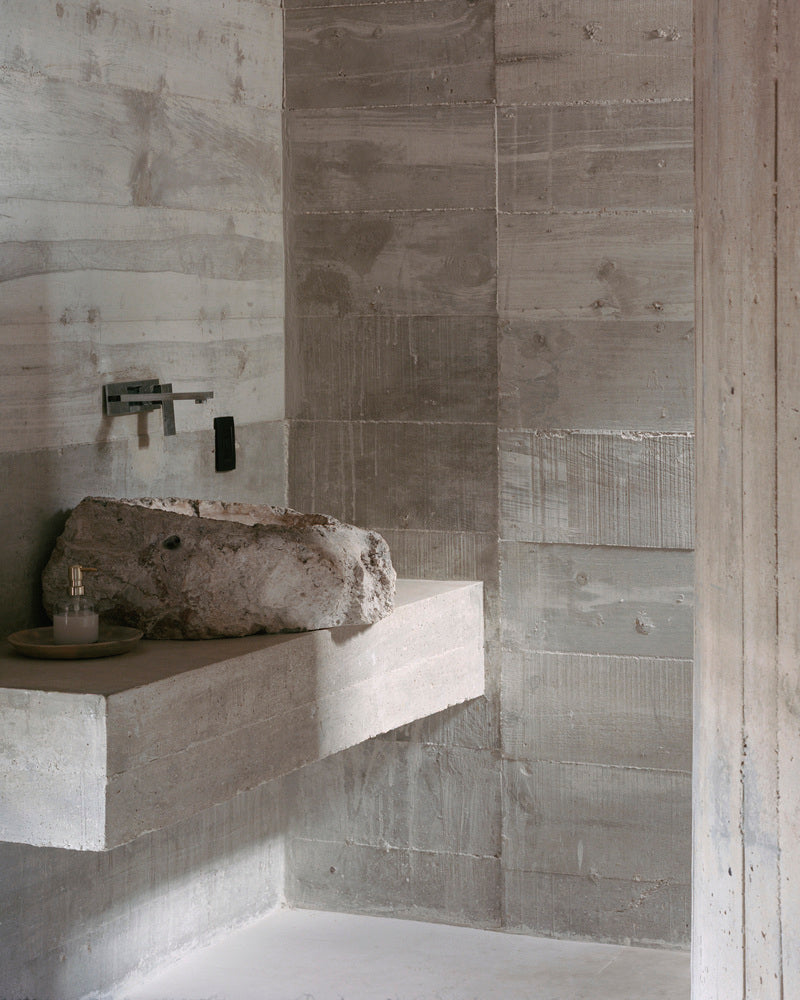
[306,955]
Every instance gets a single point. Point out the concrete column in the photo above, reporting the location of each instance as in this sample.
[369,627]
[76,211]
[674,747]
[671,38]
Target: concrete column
[746,878]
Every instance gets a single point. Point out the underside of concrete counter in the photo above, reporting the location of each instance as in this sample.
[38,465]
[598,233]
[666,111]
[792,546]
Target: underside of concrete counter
[94,753]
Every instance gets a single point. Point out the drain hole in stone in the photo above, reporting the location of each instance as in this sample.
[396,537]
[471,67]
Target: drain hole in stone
[172,542]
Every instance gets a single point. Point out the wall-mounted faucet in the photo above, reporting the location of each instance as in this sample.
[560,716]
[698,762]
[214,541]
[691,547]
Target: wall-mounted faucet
[145,394]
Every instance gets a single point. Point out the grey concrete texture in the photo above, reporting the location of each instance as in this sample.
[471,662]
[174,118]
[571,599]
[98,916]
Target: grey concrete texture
[576,158]
[593,599]
[360,958]
[239,169]
[577,907]
[420,263]
[439,886]
[391,158]
[258,707]
[411,368]
[395,794]
[195,49]
[597,374]
[596,821]
[626,489]
[596,265]
[588,568]
[624,52]
[621,711]
[389,54]
[77,921]
[442,474]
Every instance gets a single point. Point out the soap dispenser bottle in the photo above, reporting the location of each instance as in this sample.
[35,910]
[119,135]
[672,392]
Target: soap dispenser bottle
[75,618]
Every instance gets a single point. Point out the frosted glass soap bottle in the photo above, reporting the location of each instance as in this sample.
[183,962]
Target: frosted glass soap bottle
[75,617]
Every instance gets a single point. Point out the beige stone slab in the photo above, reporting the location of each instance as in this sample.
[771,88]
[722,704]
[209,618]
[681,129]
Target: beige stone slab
[286,701]
[70,142]
[193,569]
[598,489]
[438,52]
[597,265]
[369,159]
[597,374]
[640,50]
[196,48]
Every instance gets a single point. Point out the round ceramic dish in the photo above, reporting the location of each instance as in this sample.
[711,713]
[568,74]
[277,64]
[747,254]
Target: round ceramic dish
[38,643]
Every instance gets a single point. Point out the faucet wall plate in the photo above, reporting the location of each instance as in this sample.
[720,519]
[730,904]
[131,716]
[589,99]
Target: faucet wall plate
[140,395]
[113,392]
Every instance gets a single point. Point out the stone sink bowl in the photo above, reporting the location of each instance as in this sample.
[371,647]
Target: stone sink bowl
[198,569]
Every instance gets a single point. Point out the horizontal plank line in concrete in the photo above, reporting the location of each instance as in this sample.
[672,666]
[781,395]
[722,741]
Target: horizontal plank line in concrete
[416,423]
[557,761]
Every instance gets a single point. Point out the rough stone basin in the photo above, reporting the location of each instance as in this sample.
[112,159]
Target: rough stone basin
[194,569]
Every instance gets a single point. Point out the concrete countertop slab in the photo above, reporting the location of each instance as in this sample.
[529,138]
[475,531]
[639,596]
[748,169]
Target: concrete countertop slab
[94,753]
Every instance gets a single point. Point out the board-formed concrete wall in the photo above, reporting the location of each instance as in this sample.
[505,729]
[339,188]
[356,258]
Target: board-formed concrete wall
[490,360]
[596,465]
[434,317]
[392,399]
[140,235]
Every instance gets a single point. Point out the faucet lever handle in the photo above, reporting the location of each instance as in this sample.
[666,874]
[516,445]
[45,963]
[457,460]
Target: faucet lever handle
[167,408]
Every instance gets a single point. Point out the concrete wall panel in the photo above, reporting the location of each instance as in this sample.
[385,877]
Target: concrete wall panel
[587,599]
[367,159]
[406,263]
[601,909]
[622,711]
[191,48]
[437,473]
[579,157]
[407,53]
[444,887]
[597,266]
[593,820]
[420,368]
[141,235]
[597,374]
[602,489]
[589,393]
[578,51]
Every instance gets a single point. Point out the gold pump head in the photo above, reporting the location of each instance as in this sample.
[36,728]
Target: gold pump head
[75,574]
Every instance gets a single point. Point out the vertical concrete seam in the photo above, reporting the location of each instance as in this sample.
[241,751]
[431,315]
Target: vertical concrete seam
[776,389]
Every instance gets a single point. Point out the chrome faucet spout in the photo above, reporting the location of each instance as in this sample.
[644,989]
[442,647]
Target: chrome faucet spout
[146,394]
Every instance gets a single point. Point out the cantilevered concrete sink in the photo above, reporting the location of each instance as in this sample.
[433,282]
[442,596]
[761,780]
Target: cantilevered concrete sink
[94,753]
